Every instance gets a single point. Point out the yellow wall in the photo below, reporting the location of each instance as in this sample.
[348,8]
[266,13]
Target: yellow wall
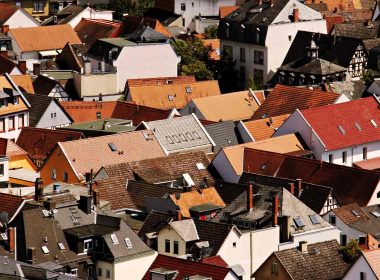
[27,5]
[22,161]
[172,235]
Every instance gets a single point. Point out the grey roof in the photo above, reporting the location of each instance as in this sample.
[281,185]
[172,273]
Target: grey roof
[76,190]
[351,89]
[181,134]
[186,229]
[315,66]
[371,225]
[146,34]
[224,134]
[358,29]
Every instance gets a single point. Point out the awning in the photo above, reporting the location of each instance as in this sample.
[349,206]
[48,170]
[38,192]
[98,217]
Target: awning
[48,53]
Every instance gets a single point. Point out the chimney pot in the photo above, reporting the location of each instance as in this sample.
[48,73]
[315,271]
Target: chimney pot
[275,210]
[303,246]
[296,15]
[11,239]
[31,255]
[291,188]
[85,203]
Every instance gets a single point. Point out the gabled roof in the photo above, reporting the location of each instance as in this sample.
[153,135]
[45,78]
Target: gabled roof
[160,81]
[24,83]
[44,85]
[146,34]
[345,124]
[171,96]
[186,229]
[226,10]
[373,259]
[224,134]
[6,11]
[10,204]
[133,24]
[315,196]
[171,168]
[14,150]
[154,223]
[6,65]
[349,184]
[358,29]
[322,261]
[184,268]
[286,99]
[314,66]
[351,213]
[43,38]
[228,107]
[128,146]
[39,142]
[262,129]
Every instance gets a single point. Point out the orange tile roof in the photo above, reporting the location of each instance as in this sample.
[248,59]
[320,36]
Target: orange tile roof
[371,243]
[44,38]
[345,213]
[215,48]
[158,96]
[131,146]
[160,81]
[195,198]
[230,106]
[24,82]
[6,11]
[161,29]
[373,259]
[371,164]
[14,150]
[226,10]
[262,129]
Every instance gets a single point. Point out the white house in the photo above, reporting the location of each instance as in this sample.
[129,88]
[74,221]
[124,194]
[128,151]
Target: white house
[148,55]
[366,267]
[87,13]
[339,133]
[260,33]
[16,17]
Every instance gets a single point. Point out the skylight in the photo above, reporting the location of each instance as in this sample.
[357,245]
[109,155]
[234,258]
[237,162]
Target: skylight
[314,219]
[373,123]
[355,213]
[45,249]
[358,126]
[61,246]
[341,129]
[46,213]
[128,243]
[4,236]
[376,214]
[200,166]
[112,147]
[114,239]
[188,89]
[171,97]
[299,223]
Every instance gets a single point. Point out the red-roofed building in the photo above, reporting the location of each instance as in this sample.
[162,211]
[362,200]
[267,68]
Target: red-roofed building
[184,269]
[332,20]
[340,133]
[10,204]
[226,10]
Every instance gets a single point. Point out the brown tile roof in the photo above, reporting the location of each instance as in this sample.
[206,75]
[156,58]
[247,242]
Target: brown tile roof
[6,65]
[131,146]
[158,96]
[132,23]
[10,203]
[230,106]
[44,37]
[346,213]
[226,10]
[14,150]
[170,168]
[197,197]
[262,129]
[6,11]
[332,20]
[373,259]
[322,261]
[286,99]
[39,142]
[371,164]
[112,109]
[24,83]
[160,81]
[154,222]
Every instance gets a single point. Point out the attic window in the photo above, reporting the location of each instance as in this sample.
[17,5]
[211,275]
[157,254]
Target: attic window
[355,213]
[45,249]
[61,246]
[114,239]
[98,115]
[169,82]
[298,222]
[4,236]
[376,214]
[46,213]
[171,97]
[314,219]
[128,243]
[341,129]
[188,90]
[373,123]
[112,147]
[358,126]
[200,166]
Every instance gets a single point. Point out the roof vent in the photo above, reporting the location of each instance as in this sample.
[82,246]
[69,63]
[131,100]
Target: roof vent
[61,246]
[45,249]
[187,181]
[373,123]
[188,90]
[341,129]
[356,214]
[114,239]
[112,147]
[200,166]
[128,243]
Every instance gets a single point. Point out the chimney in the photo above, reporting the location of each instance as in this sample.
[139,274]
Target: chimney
[299,187]
[85,203]
[95,198]
[179,214]
[22,66]
[5,29]
[11,239]
[275,210]
[291,188]
[250,197]
[49,204]
[4,54]
[31,255]
[303,246]
[271,3]
[36,69]
[296,15]
[38,189]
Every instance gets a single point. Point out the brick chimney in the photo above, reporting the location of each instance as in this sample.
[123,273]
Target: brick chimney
[5,29]
[22,66]
[250,197]
[296,15]
[179,214]
[291,188]
[298,187]
[36,69]
[11,239]
[38,189]
[275,210]
[31,255]
[303,246]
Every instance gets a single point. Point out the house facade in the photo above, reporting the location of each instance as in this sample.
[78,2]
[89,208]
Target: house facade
[259,35]
[15,17]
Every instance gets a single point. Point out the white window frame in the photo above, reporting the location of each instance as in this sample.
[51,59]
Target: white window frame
[88,241]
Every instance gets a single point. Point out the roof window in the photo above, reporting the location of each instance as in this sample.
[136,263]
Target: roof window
[128,243]
[188,90]
[200,166]
[4,236]
[61,246]
[112,147]
[341,129]
[114,239]
[355,213]
[376,214]
[45,249]
[314,219]
[171,97]
[298,222]
[373,123]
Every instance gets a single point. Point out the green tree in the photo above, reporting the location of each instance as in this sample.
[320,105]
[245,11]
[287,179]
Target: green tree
[130,7]
[211,32]
[351,251]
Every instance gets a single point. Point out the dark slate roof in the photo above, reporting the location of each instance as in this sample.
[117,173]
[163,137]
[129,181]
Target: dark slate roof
[146,34]
[338,50]
[322,261]
[315,66]
[44,85]
[154,223]
[358,29]
[224,134]
[6,65]
[315,196]
[39,103]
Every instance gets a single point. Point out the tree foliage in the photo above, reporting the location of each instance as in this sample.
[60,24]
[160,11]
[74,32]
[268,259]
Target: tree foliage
[351,251]
[131,7]
[211,32]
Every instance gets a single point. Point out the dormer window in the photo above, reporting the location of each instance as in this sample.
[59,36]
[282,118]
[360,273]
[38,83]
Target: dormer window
[3,103]
[15,100]
[88,245]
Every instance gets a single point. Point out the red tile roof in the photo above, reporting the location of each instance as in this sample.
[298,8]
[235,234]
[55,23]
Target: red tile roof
[112,109]
[332,20]
[40,142]
[286,99]
[371,164]
[6,11]
[353,117]
[187,268]
[215,260]
[160,81]
[10,203]
[226,10]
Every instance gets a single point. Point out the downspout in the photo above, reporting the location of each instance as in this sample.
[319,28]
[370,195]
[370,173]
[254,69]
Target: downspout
[251,254]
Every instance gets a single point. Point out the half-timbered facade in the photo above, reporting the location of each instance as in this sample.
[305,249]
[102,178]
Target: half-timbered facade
[358,62]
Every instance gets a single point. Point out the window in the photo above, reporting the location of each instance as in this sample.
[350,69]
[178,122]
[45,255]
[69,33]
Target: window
[183,7]
[242,54]
[21,120]
[362,240]
[74,271]
[290,38]
[274,268]
[298,222]
[234,244]
[2,124]
[343,240]
[53,174]
[98,115]
[1,169]
[331,158]
[378,194]
[87,245]
[363,276]
[11,123]
[108,273]
[45,249]
[344,157]
[65,177]
[61,246]
[100,272]
[227,32]
[175,247]
[258,57]
[114,239]
[167,246]
[242,73]
[314,219]
[332,220]
[365,153]
[15,100]
[38,6]
[128,243]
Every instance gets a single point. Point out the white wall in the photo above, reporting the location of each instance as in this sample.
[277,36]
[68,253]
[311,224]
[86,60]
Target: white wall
[89,13]
[13,134]
[133,268]
[20,19]
[51,121]
[224,168]
[361,265]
